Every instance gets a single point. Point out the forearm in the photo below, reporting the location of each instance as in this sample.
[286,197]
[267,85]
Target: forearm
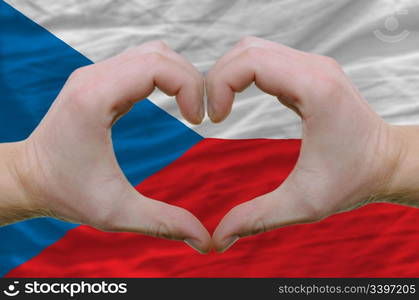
[403,185]
[14,203]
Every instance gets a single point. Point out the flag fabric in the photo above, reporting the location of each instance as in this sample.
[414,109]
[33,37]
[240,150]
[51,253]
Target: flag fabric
[209,168]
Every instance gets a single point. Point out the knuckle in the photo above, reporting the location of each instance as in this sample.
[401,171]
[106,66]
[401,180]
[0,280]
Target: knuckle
[79,74]
[80,86]
[258,226]
[254,53]
[162,231]
[148,53]
[104,220]
[105,214]
[246,41]
[328,62]
[167,227]
[131,51]
[152,46]
[257,221]
[328,84]
[103,226]
[153,58]
[80,99]
[312,212]
[159,45]
[77,95]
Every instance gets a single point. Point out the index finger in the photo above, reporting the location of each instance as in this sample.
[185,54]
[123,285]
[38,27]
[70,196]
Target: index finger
[272,72]
[113,86]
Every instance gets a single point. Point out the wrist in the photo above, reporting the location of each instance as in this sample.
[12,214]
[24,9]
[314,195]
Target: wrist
[402,175]
[15,203]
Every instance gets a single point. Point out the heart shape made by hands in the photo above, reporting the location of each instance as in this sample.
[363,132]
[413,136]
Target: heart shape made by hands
[69,170]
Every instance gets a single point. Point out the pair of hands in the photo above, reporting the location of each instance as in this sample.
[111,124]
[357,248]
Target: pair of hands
[67,167]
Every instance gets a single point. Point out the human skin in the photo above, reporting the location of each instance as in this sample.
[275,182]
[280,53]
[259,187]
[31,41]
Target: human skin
[67,167]
[349,156]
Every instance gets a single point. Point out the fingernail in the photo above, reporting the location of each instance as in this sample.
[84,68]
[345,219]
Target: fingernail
[229,242]
[194,244]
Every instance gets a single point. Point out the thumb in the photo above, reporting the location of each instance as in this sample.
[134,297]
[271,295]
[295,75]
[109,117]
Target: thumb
[277,209]
[143,215]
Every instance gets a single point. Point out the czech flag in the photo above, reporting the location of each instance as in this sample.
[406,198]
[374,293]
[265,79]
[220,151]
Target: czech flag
[208,169]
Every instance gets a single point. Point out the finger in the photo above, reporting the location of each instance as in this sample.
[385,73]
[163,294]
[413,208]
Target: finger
[142,215]
[137,76]
[253,42]
[161,48]
[268,212]
[122,80]
[272,72]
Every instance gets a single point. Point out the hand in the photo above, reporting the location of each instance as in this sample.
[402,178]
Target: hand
[348,154]
[67,167]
